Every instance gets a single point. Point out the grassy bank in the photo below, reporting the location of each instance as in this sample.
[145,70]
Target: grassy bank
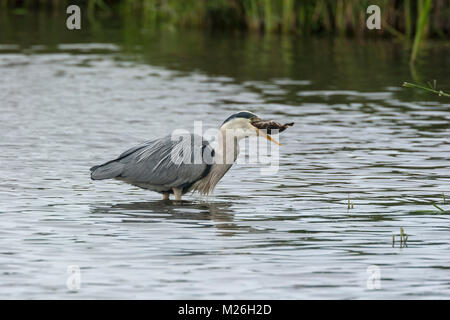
[303,17]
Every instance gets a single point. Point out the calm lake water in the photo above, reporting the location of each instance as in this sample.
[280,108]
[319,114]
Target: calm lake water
[71,100]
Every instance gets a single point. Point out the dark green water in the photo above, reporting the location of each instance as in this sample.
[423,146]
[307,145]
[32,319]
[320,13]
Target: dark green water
[71,99]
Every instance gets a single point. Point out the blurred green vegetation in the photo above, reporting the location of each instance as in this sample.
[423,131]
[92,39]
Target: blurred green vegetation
[404,19]
[410,21]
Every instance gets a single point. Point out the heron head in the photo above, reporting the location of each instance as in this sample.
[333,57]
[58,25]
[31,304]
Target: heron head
[240,126]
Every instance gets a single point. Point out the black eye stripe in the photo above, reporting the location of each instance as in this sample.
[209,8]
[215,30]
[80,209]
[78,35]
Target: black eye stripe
[242,114]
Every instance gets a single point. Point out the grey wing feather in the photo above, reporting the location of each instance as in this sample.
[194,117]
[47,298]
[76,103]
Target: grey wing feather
[113,168]
[107,170]
[161,162]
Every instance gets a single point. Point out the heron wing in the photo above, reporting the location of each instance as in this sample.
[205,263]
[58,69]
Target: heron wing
[162,162]
[113,168]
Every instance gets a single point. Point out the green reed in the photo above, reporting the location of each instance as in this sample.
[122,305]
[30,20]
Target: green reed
[423,13]
[403,237]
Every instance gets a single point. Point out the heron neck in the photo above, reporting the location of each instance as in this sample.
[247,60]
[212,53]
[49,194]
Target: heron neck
[225,154]
[227,148]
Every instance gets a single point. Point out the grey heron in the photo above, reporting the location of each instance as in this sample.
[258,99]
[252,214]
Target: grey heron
[152,164]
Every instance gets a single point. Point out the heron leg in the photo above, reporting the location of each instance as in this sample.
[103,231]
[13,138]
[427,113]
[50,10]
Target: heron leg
[177,192]
[165,196]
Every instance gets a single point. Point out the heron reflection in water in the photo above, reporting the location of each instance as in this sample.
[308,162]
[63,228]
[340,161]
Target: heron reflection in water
[152,165]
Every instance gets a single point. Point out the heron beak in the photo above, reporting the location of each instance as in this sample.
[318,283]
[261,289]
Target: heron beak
[262,134]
